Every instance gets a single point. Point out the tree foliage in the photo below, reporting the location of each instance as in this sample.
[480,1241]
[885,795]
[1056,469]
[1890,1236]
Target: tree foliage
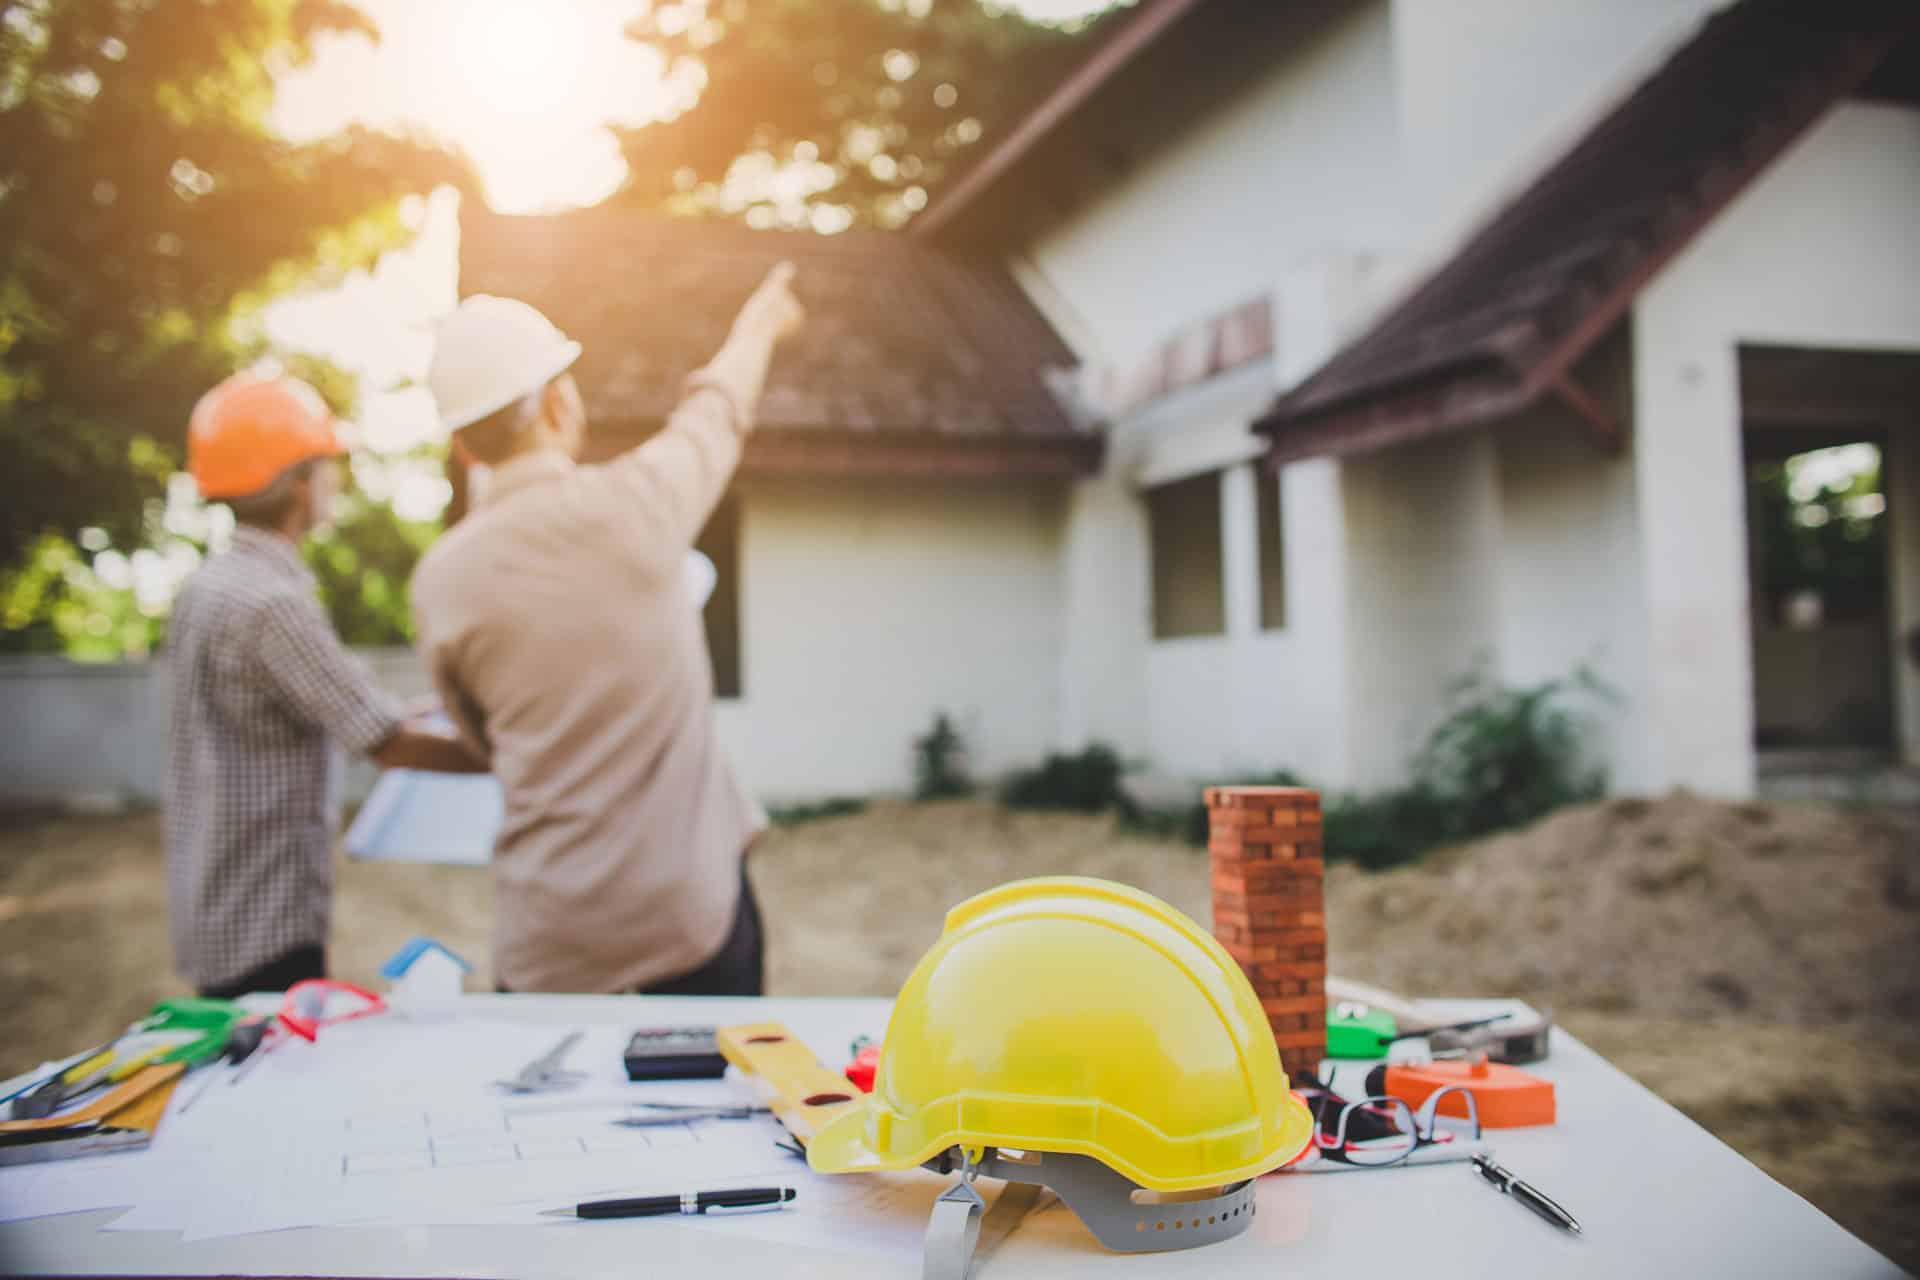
[146,213]
[865,105]
[1829,538]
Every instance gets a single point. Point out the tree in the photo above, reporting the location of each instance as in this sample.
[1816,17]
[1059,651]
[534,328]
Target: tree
[146,214]
[862,106]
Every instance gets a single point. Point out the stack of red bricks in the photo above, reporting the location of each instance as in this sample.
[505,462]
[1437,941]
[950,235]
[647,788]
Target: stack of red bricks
[1269,909]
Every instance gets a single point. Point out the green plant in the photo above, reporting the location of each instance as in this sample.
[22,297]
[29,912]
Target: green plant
[1086,781]
[1385,828]
[149,210]
[363,565]
[940,762]
[793,815]
[1504,756]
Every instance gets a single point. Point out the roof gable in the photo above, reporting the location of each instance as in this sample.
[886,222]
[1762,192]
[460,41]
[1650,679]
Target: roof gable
[1506,319]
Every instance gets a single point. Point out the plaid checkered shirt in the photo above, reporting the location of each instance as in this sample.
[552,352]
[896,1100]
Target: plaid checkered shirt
[262,688]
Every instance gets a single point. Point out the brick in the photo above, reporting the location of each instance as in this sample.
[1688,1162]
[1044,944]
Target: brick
[1264,854]
[1287,901]
[1314,868]
[1262,922]
[1233,797]
[1296,918]
[1238,819]
[1261,877]
[1295,1004]
[1288,1023]
[1281,833]
[1303,1040]
[1297,969]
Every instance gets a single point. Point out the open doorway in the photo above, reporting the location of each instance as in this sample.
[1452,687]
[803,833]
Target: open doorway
[1822,629]
[1829,572]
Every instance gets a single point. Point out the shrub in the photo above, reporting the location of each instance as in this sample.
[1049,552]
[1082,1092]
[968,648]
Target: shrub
[1507,756]
[1085,782]
[793,815]
[940,762]
[1501,758]
[1385,828]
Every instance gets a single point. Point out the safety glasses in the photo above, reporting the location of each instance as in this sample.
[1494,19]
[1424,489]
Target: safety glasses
[1381,1131]
[323,1002]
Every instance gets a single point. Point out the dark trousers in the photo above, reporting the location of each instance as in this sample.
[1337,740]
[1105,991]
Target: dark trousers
[737,969]
[276,974]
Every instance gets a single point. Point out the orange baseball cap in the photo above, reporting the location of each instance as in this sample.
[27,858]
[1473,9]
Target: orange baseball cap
[249,429]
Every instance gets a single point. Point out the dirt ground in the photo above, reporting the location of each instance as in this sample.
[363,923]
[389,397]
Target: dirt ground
[1758,966]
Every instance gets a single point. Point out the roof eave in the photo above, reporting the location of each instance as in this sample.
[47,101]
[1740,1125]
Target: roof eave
[1155,17]
[1465,396]
[920,455]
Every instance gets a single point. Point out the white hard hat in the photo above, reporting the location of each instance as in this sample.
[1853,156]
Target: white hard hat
[491,352]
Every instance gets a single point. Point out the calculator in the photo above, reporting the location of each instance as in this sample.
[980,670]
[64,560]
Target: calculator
[674,1053]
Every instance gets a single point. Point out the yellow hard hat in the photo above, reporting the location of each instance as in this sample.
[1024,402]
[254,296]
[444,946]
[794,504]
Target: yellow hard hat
[1084,1017]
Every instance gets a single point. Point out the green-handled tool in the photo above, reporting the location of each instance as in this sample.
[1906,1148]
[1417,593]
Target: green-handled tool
[189,1029]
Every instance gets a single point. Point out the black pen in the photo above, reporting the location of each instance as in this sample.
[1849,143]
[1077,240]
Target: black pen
[686,1202]
[1531,1197]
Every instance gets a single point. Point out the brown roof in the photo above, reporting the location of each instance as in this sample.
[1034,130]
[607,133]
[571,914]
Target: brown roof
[913,360]
[1506,319]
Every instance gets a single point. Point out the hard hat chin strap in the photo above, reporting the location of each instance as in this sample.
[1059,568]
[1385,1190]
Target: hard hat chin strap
[1101,1198]
[953,1230]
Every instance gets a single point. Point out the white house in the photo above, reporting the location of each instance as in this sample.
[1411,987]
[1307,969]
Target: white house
[1416,334]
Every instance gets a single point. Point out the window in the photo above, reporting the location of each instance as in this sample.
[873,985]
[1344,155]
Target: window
[1183,528]
[1272,552]
[720,543]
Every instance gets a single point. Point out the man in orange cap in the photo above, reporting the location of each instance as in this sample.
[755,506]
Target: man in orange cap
[261,688]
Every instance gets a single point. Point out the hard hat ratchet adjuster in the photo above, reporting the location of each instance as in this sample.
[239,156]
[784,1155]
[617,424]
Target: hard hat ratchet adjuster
[1111,1206]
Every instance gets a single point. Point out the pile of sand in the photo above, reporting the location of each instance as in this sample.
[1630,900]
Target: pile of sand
[1680,907]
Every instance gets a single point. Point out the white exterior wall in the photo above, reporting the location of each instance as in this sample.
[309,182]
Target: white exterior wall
[1422,531]
[1491,90]
[867,607]
[1287,188]
[1570,578]
[1252,701]
[1821,252]
[1304,165]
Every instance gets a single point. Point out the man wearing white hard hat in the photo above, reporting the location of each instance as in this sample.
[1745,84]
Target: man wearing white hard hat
[560,627]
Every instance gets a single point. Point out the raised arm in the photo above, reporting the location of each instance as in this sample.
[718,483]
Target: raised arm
[676,478]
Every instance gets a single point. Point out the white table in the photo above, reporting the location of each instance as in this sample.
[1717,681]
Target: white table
[1658,1196]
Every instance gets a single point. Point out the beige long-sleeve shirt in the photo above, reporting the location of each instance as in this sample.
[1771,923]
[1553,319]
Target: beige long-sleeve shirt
[556,623]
